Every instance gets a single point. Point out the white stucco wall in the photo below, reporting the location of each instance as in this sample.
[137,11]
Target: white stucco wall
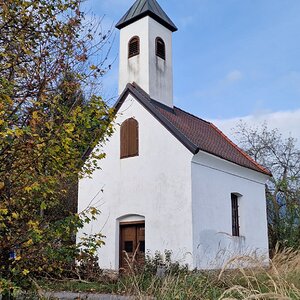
[161,71]
[149,71]
[155,185]
[135,68]
[213,181]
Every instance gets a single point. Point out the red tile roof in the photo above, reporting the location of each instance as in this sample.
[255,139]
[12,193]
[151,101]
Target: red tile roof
[195,133]
[209,138]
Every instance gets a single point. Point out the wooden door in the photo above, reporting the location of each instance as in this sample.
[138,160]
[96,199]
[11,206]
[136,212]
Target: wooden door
[132,245]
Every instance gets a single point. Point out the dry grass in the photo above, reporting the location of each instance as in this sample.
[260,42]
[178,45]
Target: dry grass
[279,281]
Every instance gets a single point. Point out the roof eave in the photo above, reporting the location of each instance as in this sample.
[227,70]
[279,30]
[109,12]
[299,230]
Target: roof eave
[262,170]
[123,24]
[259,168]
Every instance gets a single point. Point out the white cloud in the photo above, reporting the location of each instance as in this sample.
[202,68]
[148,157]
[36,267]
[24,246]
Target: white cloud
[287,122]
[233,76]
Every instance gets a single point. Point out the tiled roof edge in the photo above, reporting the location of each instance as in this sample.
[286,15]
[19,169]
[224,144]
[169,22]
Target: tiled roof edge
[261,168]
[140,95]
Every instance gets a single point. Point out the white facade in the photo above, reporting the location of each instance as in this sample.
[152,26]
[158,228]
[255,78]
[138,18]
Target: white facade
[183,198]
[156,185]
[152,73]
[213,182]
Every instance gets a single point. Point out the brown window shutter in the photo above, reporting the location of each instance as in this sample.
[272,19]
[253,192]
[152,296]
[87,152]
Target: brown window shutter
[129,138]
[137,138]
[130,146]
[133,137]
[124,139]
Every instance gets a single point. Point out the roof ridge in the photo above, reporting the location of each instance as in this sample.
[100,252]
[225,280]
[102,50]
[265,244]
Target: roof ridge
[240,150]
[146,3]
[146,95]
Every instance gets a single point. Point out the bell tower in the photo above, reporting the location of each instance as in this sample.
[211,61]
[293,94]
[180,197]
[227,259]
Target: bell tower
[146,50]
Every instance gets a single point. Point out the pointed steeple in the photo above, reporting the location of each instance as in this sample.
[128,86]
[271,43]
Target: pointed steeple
[143,8]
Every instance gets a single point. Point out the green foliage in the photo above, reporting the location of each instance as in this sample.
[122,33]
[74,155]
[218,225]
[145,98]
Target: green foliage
[50,122]
[164,261]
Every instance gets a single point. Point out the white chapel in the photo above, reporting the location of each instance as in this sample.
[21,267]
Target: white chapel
[170,180]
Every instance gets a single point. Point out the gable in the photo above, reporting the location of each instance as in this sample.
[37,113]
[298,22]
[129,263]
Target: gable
[194,133]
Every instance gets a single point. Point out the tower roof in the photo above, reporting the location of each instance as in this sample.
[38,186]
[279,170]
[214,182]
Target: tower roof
[143,8]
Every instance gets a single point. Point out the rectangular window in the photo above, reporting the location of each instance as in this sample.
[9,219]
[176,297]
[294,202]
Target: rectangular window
[235,215]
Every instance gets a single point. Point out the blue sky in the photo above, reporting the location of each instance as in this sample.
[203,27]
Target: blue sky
[231,58]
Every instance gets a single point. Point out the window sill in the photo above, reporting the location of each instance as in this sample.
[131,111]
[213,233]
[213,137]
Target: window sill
[130,156]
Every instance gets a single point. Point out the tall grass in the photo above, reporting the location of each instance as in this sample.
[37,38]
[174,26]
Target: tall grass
[279,280]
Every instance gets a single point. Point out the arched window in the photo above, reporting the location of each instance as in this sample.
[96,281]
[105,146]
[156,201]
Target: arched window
[134,47]
[160,48]
[129,138]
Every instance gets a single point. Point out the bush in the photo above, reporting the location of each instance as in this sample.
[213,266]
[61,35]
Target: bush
[164,262]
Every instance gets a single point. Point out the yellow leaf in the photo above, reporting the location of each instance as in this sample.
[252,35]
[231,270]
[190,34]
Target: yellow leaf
[18,132]
[1,185]
[3,211]
[35,115]
[7,98]
[15,215]
[26,51]
[69,127]
[33,225]
[27,188]
[28,243]
[25,272]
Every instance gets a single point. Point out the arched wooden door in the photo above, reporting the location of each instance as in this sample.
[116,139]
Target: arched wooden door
[132,245]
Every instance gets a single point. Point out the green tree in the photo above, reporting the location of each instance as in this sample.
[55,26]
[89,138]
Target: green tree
[282,157]
[49,122]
